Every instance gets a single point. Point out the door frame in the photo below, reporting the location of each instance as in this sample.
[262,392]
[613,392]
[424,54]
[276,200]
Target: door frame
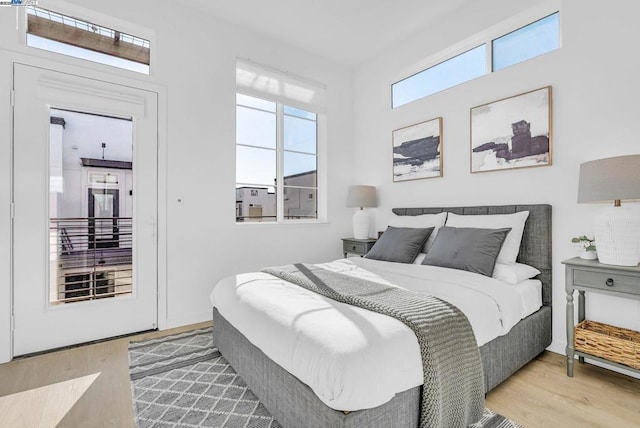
[7,61]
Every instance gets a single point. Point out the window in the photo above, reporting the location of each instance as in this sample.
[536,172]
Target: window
[54,32]
[280,120]
[527,42]
[276,159]
[100,178]
[459,69]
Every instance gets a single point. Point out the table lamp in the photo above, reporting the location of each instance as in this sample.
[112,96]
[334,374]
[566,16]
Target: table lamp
[617,228]
[362,197]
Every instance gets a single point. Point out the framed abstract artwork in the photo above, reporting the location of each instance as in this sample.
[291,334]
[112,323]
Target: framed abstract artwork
[514,132]
[417,151]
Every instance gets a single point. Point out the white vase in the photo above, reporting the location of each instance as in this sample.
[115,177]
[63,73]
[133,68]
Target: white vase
[588,255]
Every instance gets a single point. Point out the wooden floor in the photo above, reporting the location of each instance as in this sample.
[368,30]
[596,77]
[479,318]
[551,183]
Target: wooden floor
[89,386]
[48,390]
[541,395]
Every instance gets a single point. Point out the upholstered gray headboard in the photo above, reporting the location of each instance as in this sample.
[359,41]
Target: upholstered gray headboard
[535,249]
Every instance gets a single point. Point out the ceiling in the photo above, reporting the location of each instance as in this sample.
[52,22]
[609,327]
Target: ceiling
[347,31]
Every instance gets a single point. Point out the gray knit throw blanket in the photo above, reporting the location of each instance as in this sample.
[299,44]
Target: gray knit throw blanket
[453,390]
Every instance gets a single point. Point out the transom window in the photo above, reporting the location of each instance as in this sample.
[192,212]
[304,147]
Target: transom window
[527,42]
[276,161]
[66,35]
[454,71]
[488,56]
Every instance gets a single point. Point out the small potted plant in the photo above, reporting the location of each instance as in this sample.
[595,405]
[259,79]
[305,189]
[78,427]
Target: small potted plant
[586,246]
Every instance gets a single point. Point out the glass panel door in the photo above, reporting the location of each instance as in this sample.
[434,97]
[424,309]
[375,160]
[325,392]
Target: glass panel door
[79,273]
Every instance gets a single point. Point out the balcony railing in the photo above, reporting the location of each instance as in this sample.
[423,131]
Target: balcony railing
[90,258]
[248,218]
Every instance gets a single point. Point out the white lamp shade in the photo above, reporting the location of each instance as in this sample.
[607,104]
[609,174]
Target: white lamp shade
[616,229]
[610,179]
[362,196]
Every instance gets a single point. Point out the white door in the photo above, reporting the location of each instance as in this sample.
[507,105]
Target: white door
[85,201]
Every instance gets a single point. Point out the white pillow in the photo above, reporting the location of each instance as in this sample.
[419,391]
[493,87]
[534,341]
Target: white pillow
[422,221]
[511,247]
[515,273]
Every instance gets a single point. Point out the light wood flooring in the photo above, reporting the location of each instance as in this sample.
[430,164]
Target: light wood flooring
[89,386]
[48,390]
[541,395]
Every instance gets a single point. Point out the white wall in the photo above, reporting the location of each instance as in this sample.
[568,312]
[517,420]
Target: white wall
[194,58]
[596,105]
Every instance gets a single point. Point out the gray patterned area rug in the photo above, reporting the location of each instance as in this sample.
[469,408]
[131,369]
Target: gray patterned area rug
[182,381]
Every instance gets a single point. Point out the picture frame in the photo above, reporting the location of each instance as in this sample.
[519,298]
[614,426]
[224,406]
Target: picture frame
[514,132]
[417,151]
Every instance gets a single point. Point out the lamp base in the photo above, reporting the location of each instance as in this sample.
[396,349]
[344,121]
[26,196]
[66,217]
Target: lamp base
[617,234]
[361,224]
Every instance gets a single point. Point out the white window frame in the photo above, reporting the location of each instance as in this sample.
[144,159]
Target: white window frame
[279,186]
[485,37]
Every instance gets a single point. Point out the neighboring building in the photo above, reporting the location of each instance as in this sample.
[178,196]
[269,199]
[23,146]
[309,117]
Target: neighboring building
[260,203]
[255,204]
[300,195]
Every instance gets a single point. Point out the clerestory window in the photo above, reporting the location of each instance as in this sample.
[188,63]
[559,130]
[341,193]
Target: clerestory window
[74,37]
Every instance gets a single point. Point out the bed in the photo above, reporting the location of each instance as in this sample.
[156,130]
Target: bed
[295,404]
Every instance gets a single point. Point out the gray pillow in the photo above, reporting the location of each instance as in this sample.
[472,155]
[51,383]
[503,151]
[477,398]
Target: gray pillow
[399,244]
[466,248]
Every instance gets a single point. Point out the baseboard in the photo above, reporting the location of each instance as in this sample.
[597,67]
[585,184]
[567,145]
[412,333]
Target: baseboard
[559,348]
[187,320]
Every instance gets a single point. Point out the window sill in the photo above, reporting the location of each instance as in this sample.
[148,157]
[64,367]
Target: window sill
[286,223]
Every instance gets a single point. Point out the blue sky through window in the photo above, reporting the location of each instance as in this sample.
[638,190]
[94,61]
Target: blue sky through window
[527,42]
[255,127]
[459,69]
[255,166]
[300,135]
[292,111]
[256,133]
[298,163]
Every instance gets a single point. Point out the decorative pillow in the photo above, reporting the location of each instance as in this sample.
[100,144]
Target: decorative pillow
[515,273]
[516,221]
[467,248]
[399,244]
[423,221]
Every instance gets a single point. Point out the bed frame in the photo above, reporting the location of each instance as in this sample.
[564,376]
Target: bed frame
[294,404]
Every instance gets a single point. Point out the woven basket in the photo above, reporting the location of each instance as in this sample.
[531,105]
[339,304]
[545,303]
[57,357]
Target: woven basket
[611,343]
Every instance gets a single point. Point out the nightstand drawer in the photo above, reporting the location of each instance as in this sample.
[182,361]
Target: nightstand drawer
[606,281]
[354,247]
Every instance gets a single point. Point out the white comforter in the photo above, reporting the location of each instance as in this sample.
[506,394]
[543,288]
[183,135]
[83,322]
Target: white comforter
[350,357]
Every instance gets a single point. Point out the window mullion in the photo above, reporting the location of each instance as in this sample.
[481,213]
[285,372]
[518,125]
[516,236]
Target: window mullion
[279,162]
[321,182]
